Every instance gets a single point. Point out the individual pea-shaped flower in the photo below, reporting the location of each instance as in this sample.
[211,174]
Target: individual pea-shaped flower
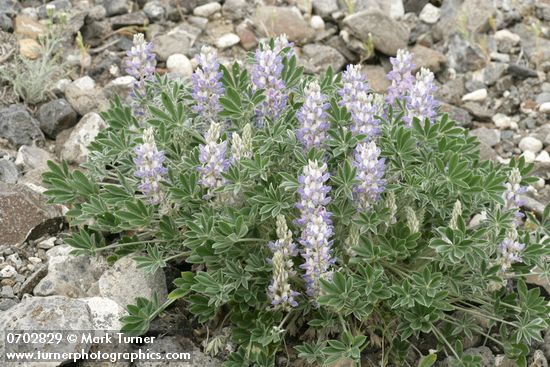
[312,190]
[241,147]
[313,117]
[280,293]
[140,63]
[510,251]
[400,76]
[213,160]
[266,75]
[149,167]
[421,102]
[370,172]
[207,86]
[316,243]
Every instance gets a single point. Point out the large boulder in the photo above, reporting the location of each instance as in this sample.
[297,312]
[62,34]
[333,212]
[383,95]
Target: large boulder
[24,213]
[274,21]
[18,127]
[388,35]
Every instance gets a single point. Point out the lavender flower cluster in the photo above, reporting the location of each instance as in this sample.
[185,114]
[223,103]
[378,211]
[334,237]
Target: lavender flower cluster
[207,86]
[283,249]
[400,76]
[370,172]
[266,74]
[362,105]
[149,167]
[140,63]
[510,249]
[313,117]
[213,160]
[316,226]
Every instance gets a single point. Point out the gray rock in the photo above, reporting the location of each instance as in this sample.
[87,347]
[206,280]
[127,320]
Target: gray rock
[84,97]
[530,144]
[207,10]
[273,21]
[491,137]
[8,171]
[33,158]
[522,71]
[227,40]
[5,23]
[116,7]
[318,58]
[69,275]
[154,10]
[538,359]
[480,112]
[464,56]
[493,72]
[452,91]
[414,6]
[235,9]
[388,35]
[10,7]
[169,344]
[543,98]
[105,313]
[457,114]
[125,281]
[55,116]
[470,16]
[180,65]
[137,18]
[376,77]
[39,217]
[32,280]
[75,149]
[18,127]
[391,8]
[430,14]
[487,357]
[325,8]
[176,41]
[6,304]
[536,48]
[47,313]
[424,57]
[121,86]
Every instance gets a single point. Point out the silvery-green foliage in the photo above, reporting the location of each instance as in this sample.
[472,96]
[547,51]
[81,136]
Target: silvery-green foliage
[325,239]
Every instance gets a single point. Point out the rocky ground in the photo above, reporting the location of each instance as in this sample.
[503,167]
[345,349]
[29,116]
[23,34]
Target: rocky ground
[491,59]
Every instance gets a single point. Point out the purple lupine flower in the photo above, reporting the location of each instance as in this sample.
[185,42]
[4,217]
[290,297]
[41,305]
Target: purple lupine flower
[370,173]
[279,290]
[213,160]
[283,250]
[149,167]
[353,83]
[207,86]
[140,63]
[313,191]
[512,195]
[316,225]
[421,102]
[400,76]
[317,244]
[510,251]
[282,42]
[266,75]
[313,117]
[363,111]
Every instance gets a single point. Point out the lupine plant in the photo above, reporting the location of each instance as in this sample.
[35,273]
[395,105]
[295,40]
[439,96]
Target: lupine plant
[312,214]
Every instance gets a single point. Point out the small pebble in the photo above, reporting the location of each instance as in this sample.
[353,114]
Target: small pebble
[545,107]
[34,260]
[47,244]
[179,64]
[317,23]
[529,156]
[8,272]
[227,40]
[430,14]
[543,157]
[502,121]
[476,96]
[207,10]
[530,144]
